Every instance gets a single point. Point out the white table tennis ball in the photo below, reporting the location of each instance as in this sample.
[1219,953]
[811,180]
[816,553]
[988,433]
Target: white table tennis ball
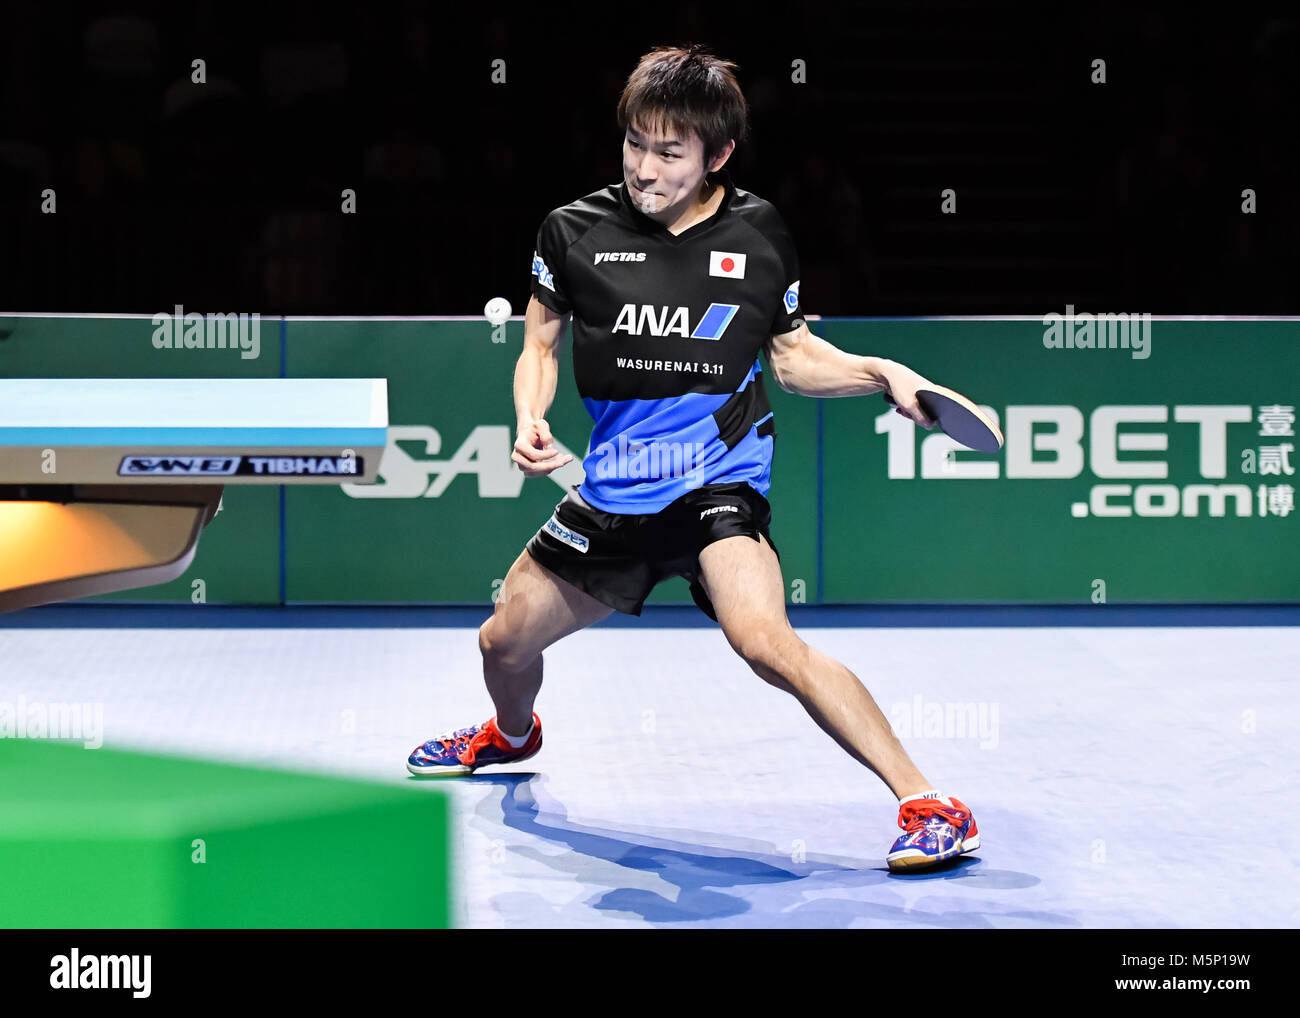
[497,310]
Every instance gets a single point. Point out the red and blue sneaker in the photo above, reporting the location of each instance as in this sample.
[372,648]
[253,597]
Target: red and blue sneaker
[467,749]
[935,829]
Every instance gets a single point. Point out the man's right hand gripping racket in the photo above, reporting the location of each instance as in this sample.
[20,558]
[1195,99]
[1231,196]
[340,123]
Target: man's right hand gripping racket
[960,419]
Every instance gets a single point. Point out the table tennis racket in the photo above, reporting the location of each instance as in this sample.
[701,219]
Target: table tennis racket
[960,419]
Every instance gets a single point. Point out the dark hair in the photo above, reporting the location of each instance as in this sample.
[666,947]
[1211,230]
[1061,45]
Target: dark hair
[686,90]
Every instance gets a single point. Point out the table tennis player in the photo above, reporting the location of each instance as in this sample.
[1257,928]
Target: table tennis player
[674,280]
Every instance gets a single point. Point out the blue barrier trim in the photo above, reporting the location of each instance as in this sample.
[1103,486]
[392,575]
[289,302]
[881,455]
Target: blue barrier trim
[186,616]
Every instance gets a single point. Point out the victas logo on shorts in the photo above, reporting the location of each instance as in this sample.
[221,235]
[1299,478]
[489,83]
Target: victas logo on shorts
[719,509]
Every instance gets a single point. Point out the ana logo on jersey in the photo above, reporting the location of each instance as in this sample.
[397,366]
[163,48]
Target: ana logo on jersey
[619,256]
[645,320]
[792,297]
[728,264]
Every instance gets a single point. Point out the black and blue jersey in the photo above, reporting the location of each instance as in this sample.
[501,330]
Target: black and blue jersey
[666,335]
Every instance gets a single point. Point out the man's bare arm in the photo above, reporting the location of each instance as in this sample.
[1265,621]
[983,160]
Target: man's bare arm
[809,366]
[536,375]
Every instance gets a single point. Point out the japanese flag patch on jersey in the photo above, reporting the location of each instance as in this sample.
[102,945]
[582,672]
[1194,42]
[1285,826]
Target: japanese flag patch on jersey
[727,263]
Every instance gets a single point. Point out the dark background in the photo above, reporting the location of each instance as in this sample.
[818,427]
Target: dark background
[226,196]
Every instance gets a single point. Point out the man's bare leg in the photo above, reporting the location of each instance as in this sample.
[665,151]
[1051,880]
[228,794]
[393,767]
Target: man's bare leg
[743,580]
[534,609]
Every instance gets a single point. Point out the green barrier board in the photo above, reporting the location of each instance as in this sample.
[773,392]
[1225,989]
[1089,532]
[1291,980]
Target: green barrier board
[1167,477]
[1161,471]
[453,512]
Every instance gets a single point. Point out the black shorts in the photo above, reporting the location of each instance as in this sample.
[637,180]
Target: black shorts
[618,558]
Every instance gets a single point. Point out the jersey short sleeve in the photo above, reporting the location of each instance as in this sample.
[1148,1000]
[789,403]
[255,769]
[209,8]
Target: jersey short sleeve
[787,316]
[547,283]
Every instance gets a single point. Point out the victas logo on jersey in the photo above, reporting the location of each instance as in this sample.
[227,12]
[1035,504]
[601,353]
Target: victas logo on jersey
[792,297]
[646,320]
[728,264]
[619,256]
[543,274]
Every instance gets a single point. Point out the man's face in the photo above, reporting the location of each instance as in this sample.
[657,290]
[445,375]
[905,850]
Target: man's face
[663,172]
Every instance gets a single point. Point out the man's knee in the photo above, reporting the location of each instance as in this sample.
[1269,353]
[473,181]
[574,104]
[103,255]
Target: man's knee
[499,650]
[767,652]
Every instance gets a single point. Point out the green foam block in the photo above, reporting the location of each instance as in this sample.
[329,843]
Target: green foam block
[98,838]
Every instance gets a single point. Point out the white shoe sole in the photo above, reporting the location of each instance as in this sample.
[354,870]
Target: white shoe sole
[913,859]
[444,771]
